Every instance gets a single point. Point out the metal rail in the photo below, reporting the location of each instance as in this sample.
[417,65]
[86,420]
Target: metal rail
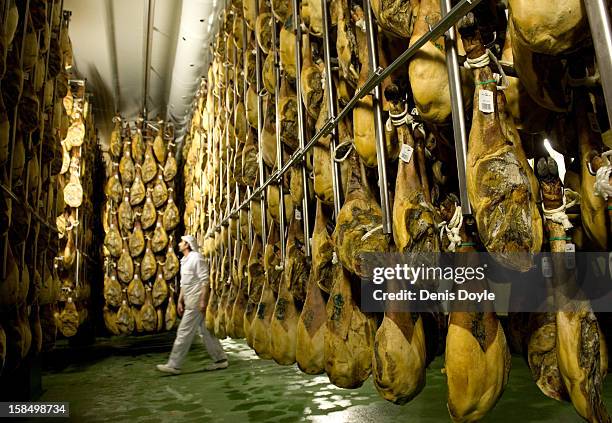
[148,41]
[279,142]
[260,128]
[29,209]
[297,31]
[245,47]
[458,113]
[601,31]
[381,154]
[331,109]
[456,13]
[13,128]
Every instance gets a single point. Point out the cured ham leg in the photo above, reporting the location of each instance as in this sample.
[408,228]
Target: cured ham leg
[255,282]
[399,359]
[427,69]
[311,325]
[349,337]
[477,360]
[499,186]
[242,294]
[580,347]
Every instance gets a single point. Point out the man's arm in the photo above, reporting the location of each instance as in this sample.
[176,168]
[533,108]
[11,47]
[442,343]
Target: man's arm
[204,296]
[204,276]
[181,303]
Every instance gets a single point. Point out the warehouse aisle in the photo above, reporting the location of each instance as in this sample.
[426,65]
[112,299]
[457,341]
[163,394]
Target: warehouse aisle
[128,388]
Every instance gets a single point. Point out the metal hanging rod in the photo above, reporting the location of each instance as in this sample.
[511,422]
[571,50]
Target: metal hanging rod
[381,154]
[148,41]
[379,74]
[601,31]
[279,142]
[28,208]
[458,113]
[331,107]
[297,27]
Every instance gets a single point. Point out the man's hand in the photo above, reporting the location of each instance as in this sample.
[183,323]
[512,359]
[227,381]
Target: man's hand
[181,304]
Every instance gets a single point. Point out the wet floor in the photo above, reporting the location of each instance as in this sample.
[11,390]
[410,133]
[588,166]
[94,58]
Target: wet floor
[127,387]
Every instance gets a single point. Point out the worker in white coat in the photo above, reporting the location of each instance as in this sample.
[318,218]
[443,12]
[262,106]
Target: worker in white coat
[193,300]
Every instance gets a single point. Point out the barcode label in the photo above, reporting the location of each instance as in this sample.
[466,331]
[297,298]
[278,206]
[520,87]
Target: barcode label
[406,153]
[485,101]
[547,270]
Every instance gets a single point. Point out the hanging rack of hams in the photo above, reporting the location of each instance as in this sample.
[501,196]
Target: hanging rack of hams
[528,74]
[141,215]
[74,224]
[47,142]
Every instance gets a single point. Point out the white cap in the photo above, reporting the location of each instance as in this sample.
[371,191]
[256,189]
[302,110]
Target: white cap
[193,243]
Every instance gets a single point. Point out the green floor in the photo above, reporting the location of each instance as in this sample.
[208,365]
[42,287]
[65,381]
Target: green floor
[126,387]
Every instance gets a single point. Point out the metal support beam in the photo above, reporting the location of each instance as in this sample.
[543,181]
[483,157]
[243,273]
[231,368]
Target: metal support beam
[381,154]
[601,31]
[148,41]
[458,114]
[13,132]
[457,12]
[245,47]
[331,107]
[301,123]
[279,143]
[260,128]
[109,17]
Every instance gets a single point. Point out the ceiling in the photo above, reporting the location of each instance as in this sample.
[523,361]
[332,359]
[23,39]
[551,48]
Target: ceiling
[109,42]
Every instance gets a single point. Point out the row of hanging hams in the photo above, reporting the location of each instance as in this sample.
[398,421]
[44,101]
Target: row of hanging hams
[36,132]
[140,217]
[306,309]
[74,223]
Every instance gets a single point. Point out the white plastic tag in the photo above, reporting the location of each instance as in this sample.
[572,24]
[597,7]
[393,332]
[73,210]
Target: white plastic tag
[485,101]
[406,153]
[298,214]
[570,256]
[593,122]
[547,270]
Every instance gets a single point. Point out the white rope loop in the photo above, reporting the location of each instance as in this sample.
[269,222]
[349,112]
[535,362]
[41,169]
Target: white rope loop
[485,60]
[348,151]
[451,229]
[402,118]
[558,215]
[371,232]
[602,185]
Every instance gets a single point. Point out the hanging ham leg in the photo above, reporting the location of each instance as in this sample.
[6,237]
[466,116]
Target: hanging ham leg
[477,359]
[580,347]
[311,324]
[499,187]
[399,358]
[349,337]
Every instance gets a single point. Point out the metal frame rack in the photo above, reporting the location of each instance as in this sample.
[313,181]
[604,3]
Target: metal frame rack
[12,198]
[602,37]
[371,86]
